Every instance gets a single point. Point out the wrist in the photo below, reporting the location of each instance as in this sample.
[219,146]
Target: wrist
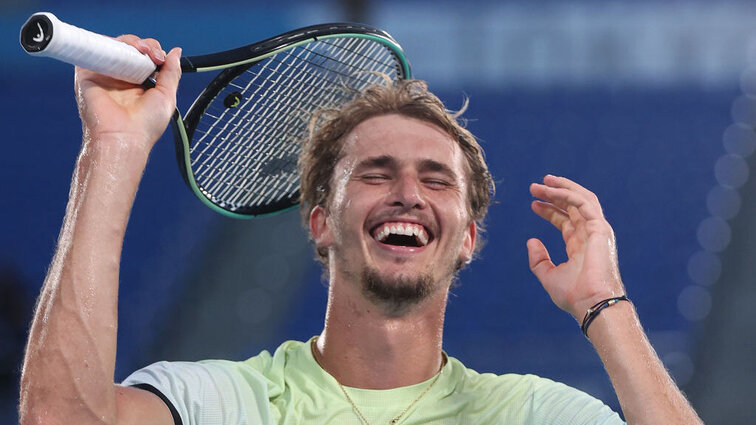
[595,310]
[116,147]
[595,291]
[611,322]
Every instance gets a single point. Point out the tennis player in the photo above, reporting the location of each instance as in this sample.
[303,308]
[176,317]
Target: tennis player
[393,192]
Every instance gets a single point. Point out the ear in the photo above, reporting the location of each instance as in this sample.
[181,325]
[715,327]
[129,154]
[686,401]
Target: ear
[319,227]
[468,244]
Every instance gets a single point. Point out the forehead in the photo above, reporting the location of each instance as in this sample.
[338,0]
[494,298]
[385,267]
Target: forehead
[404,138]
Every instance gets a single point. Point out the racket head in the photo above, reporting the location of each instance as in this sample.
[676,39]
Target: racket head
[239,143]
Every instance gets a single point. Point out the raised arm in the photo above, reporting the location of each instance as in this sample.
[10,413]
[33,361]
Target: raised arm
[67,376]
[645,390]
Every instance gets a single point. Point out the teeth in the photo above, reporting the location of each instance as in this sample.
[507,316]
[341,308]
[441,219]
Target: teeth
[406,229]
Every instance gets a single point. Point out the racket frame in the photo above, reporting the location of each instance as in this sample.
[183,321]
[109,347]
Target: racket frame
[84,48]
[248,56]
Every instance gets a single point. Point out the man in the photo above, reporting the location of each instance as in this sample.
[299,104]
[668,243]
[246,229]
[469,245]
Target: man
[393,209]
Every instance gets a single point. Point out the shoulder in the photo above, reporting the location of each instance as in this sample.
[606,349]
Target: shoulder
[218,391]
[470,380]
[540,400]
[207,392]
[263,366]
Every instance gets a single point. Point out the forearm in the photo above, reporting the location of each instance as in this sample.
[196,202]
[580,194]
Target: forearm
[644,388]
[68,369]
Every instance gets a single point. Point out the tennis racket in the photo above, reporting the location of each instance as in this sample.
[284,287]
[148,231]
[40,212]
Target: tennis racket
[238,144]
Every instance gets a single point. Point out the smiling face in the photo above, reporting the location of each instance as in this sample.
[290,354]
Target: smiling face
[397,221]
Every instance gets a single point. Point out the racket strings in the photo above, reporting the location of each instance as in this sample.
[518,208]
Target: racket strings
[352,47]
[290,155]
[324,83]
[247,155]
[250,171]
[256,95]
[234,122]
[250,110]
[252,165]
[289,88]
[308,107]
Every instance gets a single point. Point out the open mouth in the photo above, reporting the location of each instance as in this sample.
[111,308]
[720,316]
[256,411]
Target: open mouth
[402,234]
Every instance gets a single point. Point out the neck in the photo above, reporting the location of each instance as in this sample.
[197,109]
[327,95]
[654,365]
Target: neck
[364,347]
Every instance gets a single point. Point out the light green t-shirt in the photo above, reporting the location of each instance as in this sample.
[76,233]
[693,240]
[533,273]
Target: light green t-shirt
[290,387]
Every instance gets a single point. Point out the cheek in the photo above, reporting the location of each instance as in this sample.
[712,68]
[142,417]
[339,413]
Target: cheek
[340,182]
[458,208]
[338,198]
[342,216]
[344,198]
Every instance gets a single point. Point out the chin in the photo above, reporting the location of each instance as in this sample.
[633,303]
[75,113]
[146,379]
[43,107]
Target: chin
[396,294]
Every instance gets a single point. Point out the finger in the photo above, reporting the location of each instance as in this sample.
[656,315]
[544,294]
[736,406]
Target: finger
[564,182]
[562,198]
[548,200]
[147,46]
[576,216]
[550,213]
[559,218]
[565,198]
[539,259]
[156,53]
[128,39]
[170,73]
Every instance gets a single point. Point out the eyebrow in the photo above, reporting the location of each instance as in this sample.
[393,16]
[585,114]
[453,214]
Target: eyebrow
[383,161]
[438,167]
[427,165]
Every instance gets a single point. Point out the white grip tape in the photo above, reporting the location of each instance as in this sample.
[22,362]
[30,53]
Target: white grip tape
[96,52]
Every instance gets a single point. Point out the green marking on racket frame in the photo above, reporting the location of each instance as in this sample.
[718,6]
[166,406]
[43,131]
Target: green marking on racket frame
[385,41]
[232,100]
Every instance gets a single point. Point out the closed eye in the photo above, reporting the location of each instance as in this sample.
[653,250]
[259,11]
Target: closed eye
[374,178]
[437,183]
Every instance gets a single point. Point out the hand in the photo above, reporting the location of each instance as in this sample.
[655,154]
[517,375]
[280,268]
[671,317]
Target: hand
[591,273]
[109,107]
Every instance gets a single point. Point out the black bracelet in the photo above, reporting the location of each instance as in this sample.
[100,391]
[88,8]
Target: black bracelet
[596,309]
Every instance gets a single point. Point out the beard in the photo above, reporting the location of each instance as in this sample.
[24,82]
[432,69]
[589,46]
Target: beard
[396,295]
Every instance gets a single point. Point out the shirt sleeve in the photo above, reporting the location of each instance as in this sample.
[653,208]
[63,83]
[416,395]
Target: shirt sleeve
[208,393]
[555,403]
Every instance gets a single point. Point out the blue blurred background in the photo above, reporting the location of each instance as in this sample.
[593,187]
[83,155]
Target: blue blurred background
[650,104]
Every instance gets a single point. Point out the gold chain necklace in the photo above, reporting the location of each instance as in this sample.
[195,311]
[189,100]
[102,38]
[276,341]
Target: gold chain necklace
[406,409]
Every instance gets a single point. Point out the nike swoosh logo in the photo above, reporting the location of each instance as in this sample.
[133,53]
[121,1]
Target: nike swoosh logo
[41,36]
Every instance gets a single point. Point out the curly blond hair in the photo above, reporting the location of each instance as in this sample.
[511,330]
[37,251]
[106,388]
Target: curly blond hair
[410,98]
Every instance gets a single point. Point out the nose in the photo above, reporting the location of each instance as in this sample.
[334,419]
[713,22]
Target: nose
[407,192]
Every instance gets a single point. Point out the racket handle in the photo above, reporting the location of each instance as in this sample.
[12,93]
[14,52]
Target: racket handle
[44,35]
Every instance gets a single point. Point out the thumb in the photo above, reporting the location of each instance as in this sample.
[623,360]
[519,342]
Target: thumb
[160,101]
[539,259]
[170,72]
